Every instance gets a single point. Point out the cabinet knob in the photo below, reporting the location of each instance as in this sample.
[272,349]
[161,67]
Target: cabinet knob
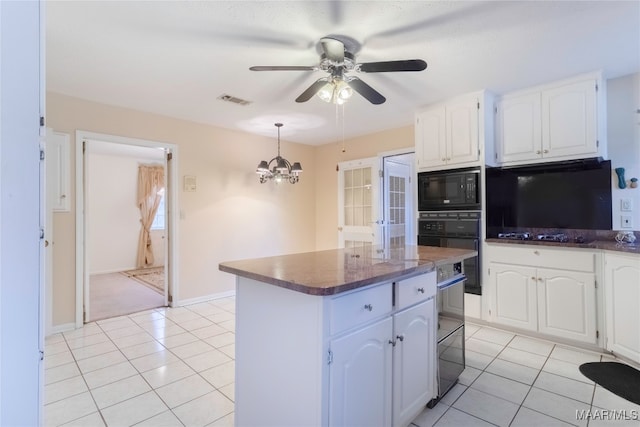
[420,290]
[545,151]
[393,343]
[444,159]
[400,338]
[539,279]
[448,159]
[536,253]
[538,152]
[533,278]
[368,307]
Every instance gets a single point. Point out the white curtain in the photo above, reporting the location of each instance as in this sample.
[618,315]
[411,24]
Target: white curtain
[150,183]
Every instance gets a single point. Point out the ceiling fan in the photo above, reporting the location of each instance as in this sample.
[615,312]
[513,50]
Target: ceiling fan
[337,60]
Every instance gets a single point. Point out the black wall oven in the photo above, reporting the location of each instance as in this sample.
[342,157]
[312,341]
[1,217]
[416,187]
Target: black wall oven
[459,229]
[449,190]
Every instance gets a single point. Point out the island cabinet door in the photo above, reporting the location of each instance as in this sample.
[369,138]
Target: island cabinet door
[413,361]
[360,377]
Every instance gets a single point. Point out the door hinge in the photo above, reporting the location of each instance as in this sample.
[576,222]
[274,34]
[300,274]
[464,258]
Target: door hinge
[496,156]
[381,173]
[595,283]
[41,154]
[41,233]
[170,298]
[488,271]
[596,87]
[41,355]
[84,146]
[84,316]
[41,120]
[597,334]
[329,357]
[597,143]
[409,180]
[478,105]
[478,151]
[495,110]
[169,155]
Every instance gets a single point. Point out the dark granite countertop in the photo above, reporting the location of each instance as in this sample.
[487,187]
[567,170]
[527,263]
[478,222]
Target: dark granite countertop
[338,270]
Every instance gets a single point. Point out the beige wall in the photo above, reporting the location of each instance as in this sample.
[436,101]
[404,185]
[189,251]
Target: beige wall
[623,138]
[230,216]
[328,156]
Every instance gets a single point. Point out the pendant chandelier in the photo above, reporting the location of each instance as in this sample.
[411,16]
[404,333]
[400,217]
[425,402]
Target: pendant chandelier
[282,169]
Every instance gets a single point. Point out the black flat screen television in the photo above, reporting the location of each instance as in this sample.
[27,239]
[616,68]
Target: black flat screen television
[573,195]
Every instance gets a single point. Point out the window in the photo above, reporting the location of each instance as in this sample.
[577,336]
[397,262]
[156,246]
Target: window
[158,221]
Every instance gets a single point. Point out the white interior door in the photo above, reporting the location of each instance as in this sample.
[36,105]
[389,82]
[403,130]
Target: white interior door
[398,200]
[359,222]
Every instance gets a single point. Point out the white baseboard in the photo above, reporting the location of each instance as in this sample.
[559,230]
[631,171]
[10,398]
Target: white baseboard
[205,298]
[65,327]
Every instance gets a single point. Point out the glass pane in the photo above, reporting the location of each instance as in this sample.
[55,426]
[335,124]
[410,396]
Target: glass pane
[348,216]
[402,183]
[357,177]
[357,196]
[358,219]
[348,197]
[348,178]
[367,176]
[367,197]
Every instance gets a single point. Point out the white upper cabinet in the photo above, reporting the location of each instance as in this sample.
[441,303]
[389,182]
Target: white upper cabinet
[556,122]
[452,134]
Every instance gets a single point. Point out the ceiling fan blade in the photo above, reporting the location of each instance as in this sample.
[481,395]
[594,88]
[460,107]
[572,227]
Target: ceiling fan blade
[388,66]
[333,49]
[372,95]
[283,68]
[311,90]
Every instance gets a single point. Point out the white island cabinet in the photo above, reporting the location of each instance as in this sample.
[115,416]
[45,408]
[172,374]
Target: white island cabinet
[336,338]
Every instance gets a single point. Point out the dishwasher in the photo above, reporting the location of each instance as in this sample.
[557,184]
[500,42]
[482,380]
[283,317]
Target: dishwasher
[450,334]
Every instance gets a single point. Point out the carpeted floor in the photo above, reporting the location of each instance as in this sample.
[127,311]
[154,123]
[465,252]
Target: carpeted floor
[115,294]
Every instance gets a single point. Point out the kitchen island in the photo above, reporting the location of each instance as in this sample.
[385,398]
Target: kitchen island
[337,337]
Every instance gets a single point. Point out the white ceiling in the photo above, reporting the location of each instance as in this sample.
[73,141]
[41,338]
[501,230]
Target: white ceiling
[175,58]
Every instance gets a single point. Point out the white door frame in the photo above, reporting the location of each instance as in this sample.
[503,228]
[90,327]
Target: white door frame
[412,240]
[82,273]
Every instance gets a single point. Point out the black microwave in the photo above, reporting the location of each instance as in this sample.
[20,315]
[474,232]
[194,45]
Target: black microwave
[457,189]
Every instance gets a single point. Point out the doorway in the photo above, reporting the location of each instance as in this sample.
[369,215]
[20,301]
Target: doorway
[376,201]
[110,278]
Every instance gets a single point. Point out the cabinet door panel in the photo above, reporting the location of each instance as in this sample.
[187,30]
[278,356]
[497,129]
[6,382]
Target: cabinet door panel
[622,296]
[569,120]
[519,133]
[514,295]
[430,138]
[462,131]
[567,304]
[360,377]
[413,361]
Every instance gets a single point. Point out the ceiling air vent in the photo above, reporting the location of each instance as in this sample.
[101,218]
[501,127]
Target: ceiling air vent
[229,98]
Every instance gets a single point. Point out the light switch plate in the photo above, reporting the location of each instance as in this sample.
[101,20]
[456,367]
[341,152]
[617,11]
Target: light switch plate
[625,221]
[626,205]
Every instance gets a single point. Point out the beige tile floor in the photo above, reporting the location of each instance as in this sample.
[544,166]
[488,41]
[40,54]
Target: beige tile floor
[175,367]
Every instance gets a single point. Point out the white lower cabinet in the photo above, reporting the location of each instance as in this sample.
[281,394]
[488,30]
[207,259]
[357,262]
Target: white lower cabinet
[413,361]
[554,301]
[360,377]
[514,295]
[383,374]
[622,304]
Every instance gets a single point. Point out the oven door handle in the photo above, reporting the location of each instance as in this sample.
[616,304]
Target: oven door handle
[446,284]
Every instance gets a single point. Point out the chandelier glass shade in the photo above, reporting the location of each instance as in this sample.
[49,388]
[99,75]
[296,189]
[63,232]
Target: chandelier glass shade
[282,169]
[336,90]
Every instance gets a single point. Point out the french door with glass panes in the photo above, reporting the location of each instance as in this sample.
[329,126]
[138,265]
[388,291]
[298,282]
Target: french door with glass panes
[397,203]
[358,203]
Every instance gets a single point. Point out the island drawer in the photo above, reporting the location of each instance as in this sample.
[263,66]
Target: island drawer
[415,289]
[359,307]
[536,256]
